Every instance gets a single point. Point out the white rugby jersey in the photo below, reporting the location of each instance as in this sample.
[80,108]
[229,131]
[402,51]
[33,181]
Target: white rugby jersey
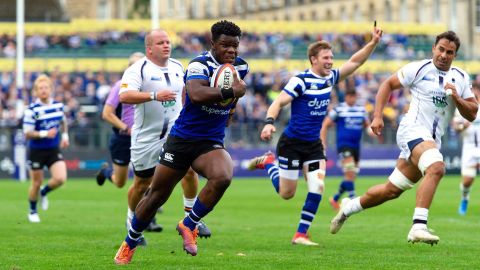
[154,119]
[430,107]
[471,135]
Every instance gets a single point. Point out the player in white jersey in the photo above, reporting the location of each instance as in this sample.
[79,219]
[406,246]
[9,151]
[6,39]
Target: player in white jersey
[437,88]
[470,151]
[155,85]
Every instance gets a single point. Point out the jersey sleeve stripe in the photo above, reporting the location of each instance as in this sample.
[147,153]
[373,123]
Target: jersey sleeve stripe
[424,65]
[197,77]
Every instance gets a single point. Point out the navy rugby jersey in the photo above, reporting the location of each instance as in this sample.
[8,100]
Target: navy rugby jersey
[311,96]
[204,121]
[350,121]
[40,116]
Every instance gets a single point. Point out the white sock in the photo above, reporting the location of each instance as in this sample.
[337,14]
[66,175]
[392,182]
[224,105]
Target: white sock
[465,192]
[420,214]
[188,203]
[352,207]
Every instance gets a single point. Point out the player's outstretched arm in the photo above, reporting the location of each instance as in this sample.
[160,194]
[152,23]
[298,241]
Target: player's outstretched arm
[381,99]
[362,55]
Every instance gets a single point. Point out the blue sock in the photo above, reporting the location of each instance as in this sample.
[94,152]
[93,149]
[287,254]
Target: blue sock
[308,211]
[272,170]
[350,189]
[135,232]
[107,173]
[33,206]
[45,190]
[344,186]
[198,212]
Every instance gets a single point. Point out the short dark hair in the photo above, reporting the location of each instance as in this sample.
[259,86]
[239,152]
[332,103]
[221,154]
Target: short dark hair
[225,27]
[350,91]
[450,36]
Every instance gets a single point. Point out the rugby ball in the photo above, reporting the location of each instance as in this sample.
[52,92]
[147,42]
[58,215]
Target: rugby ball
[223,78]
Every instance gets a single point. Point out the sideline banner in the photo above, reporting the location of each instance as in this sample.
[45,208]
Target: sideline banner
[374,160]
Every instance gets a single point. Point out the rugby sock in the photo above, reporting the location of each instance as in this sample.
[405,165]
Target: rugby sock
[341,189]
[352,207]
[188,204]
[272,170]
[198,212]
[420,216]
[45,190]
[135,231]
[308,211]
[465,192]
[350,189]
[33,206]
[107,173]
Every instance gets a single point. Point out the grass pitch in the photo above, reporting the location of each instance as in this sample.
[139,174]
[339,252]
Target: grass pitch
[252,228]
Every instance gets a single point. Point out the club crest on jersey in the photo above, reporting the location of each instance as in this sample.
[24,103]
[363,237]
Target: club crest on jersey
[156,78]
[314,86]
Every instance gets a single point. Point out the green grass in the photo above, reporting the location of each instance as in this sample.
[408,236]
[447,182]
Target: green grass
[252,228]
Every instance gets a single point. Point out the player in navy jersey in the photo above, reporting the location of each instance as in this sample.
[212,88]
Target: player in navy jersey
[299,147]
[350,119]
[196,140]
[45,126]
[437,89]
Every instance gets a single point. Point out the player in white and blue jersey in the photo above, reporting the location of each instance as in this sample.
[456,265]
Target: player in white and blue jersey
[350,120]
[195,140]
[300,147]
[470,151]
[437,89]
[45,127]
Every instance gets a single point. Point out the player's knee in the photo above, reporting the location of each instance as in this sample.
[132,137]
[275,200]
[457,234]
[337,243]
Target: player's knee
[431,158]
[392,192]
[315,177]
[349,167]
[287,194]
[400,181]
[221,182]
[469,172]
[437,169]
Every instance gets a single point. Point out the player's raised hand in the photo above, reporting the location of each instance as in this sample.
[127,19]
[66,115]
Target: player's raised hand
[377,33]
[165,95]
[267,132]
[239,86]
[377,126]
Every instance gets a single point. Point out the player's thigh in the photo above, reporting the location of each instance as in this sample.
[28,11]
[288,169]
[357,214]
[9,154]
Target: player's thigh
[121,173]
[214,164]
[59,170]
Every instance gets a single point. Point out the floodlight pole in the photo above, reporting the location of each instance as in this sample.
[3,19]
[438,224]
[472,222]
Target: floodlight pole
[19,147]
[154,12]
[20,42]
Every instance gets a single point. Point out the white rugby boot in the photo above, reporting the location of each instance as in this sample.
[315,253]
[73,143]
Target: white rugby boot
[423,235]
[340,218]
[33,217]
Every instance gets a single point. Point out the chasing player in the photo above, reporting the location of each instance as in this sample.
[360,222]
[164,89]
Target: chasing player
[299,147]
